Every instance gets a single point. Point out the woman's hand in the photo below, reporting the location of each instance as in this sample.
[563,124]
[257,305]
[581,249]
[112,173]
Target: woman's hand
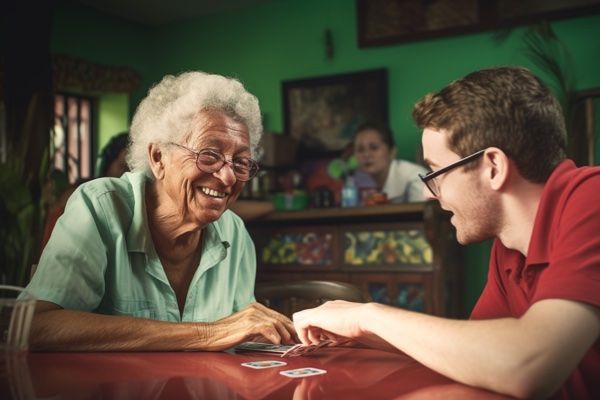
[254,323]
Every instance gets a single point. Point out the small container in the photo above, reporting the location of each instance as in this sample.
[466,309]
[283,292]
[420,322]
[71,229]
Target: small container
[376,198]
[322,198]
[326,198]
[365,193]
[296,200]
[349,193]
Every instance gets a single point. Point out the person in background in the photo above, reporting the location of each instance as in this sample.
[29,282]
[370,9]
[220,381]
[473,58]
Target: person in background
[111,163]
[112,156]
[375,153]
[154,260]
[496,143]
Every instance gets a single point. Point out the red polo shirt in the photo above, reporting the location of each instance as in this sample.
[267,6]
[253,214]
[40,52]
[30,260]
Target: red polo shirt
[563,262]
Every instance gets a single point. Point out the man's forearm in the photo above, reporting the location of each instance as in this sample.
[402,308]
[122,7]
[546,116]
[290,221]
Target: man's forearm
[530,356]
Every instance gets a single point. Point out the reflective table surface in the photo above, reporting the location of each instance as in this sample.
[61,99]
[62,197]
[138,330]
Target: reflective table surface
[351,374]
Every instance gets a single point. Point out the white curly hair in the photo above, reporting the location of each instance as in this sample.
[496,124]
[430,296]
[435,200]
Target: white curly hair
[169,111]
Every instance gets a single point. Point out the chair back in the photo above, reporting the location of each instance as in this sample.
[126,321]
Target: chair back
[287,297]
[32,270]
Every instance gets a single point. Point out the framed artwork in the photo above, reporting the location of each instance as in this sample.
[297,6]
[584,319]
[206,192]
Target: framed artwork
[323,113]
[384,22]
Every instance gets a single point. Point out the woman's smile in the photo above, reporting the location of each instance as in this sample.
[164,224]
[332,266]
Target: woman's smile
[213,193]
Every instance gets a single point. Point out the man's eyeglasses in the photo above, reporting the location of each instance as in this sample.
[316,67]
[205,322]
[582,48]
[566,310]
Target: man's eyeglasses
[429,178]
[211,161]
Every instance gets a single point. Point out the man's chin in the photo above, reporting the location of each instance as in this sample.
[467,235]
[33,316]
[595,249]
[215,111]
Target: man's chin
[467,240]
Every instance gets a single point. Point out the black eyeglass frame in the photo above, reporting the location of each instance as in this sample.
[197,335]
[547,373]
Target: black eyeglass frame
[434,174]
[253,170]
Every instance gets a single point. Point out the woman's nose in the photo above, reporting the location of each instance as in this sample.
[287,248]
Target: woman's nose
[225,174]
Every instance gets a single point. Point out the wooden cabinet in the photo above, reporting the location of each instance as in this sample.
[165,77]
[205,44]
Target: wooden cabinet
[405,255]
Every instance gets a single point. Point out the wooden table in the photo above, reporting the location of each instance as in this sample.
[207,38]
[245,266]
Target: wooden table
[351,374]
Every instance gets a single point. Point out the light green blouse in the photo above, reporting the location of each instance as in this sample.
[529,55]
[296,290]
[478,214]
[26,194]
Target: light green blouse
[101,258]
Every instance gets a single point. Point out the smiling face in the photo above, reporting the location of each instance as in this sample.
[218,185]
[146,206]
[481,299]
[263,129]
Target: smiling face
[197,197]
[476,208]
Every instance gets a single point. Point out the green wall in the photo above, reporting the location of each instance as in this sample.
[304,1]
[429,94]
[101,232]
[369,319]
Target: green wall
[284,39]
[93,36]
[113,118]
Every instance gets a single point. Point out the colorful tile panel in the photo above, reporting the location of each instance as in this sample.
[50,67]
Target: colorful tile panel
[308,248]
[387,248]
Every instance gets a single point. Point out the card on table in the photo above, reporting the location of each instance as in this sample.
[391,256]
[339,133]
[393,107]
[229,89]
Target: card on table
[302,372]
[263,364]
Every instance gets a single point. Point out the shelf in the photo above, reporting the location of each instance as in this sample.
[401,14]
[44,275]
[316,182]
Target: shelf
[343,213]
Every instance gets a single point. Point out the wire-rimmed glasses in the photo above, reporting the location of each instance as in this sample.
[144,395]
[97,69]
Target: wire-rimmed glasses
[211,161]
[429,178]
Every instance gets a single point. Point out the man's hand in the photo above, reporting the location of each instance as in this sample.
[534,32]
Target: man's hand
[341,322]
[335,320]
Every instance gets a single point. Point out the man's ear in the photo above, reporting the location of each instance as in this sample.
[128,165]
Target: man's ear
[497,167]
[393,152]
[155,156]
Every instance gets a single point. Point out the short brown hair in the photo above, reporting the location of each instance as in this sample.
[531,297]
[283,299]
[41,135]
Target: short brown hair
[506,107]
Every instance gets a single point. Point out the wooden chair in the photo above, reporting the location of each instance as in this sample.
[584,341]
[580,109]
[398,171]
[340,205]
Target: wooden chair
[287,297]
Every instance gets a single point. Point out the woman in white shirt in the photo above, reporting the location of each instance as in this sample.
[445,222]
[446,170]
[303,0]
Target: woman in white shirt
[375,153]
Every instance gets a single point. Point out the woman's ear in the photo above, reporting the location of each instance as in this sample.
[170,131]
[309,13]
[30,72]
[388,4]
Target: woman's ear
[497,167]
[393,152]
[155,156]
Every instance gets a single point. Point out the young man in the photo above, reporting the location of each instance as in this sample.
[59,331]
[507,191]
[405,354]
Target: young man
[495,141]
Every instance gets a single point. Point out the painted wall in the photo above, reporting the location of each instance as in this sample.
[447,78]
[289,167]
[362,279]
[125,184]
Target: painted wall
[82,33]
[113,117]
[284,39]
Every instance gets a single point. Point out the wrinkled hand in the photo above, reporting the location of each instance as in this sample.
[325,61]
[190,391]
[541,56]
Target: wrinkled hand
[254,323]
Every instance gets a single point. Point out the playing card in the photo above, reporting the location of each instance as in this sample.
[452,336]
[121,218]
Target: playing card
[284,350]
[301,349]
[263,364]
[265,347]
[297,350]
[302,372]
[324,343]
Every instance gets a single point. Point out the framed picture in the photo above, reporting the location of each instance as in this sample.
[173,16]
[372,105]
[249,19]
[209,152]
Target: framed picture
[384,22]
[323,113]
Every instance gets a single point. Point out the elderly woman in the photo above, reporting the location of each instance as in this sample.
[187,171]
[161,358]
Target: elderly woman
[154,260]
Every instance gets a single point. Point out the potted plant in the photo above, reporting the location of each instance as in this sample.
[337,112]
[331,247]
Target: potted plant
[21,203]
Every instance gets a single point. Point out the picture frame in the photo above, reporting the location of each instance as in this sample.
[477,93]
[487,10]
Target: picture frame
[385,22]
[322,113]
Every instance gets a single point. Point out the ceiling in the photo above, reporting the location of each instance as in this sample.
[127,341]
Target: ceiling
[158,12]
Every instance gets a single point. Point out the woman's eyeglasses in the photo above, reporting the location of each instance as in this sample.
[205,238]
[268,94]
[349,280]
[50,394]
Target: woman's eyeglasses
[210,161]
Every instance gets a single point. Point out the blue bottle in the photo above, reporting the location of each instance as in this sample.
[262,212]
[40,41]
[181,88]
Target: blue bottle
[349,193]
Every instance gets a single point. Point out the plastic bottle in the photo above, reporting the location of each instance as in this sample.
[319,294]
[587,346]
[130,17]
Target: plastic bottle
[349,193]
